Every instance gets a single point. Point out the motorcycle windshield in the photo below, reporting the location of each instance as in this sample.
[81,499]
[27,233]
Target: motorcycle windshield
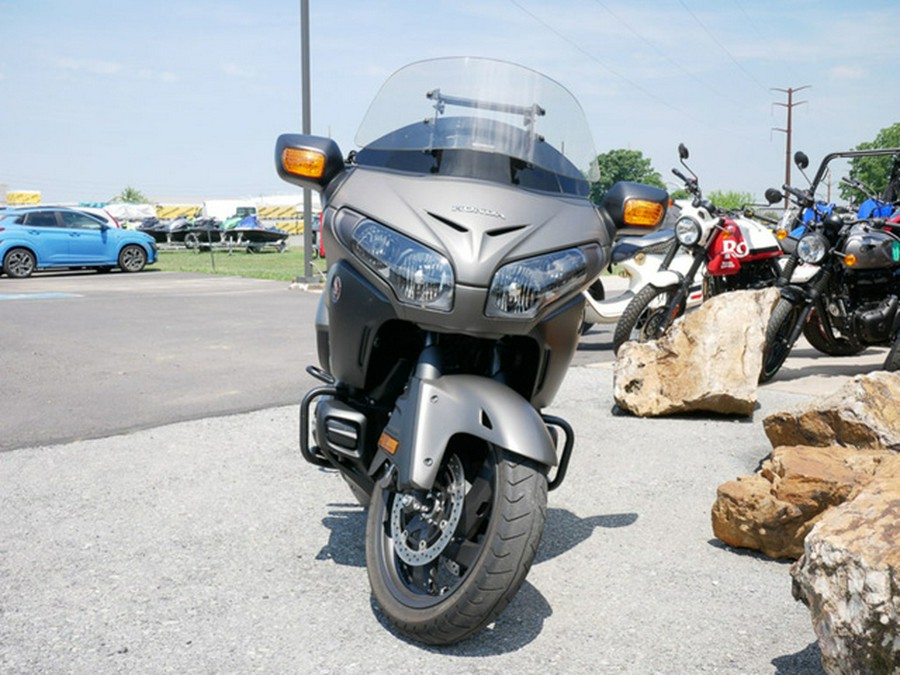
[479,118]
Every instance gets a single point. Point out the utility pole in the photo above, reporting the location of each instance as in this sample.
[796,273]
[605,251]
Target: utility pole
[307,193]
[790,106]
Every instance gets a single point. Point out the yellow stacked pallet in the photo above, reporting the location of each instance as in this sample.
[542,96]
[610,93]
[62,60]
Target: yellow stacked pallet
[171,212]
[292,226]
[23,198]
[277,212]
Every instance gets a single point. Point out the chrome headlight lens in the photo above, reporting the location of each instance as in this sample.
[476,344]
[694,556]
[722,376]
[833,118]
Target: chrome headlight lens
[812,248]
[687,231]
[419,276]
[519,290]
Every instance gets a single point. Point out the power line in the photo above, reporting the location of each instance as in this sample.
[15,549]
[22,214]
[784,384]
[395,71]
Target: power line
[664,55]
[721,46]
[609,69]
[665,103]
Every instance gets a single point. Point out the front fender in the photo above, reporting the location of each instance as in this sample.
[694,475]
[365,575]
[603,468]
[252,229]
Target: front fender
[432,411]
[664,278]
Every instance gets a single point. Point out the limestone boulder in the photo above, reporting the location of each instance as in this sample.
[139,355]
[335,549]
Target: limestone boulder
[864,413]
[773,510]
[709,360]
[849,577]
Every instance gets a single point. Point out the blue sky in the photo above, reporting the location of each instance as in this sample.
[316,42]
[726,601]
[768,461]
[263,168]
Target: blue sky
[183,99]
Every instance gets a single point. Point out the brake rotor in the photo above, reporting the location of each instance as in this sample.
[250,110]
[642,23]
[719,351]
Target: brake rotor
[420,530]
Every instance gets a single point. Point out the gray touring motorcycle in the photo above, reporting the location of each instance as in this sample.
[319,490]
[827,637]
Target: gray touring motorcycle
[459,239]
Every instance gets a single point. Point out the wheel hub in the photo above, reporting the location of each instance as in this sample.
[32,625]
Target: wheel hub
[421,529]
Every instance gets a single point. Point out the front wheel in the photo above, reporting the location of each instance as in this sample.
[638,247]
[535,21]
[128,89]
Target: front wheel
[132,258]
[443,564]
[781,326]
[646,316]
[892,362]
[820,335]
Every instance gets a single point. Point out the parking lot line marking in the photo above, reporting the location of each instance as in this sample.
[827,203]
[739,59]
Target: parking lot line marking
[37,296]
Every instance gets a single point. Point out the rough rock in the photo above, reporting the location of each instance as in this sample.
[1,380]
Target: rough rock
[709,360]
[864,413]
[849,577]
[773,510]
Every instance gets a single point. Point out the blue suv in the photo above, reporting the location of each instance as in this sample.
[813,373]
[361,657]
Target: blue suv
[37,237]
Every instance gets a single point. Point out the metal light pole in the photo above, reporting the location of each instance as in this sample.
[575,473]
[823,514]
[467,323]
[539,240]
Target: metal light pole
[307,193]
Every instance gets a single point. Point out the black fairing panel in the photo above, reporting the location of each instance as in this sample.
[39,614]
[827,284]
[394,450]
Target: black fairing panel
[559,334]
[356,316]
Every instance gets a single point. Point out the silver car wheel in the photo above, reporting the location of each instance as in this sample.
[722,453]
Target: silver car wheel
[19,263]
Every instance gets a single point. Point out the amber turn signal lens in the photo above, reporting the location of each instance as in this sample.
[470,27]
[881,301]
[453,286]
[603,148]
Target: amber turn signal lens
[849,260]
[306,163]
[781,234]
[388,444]
[643,213]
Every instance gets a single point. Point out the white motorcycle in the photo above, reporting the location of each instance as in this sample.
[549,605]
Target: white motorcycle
[639,258]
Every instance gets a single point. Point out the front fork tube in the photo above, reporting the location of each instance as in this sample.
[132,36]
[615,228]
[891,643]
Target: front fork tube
[679,300]
[811,300]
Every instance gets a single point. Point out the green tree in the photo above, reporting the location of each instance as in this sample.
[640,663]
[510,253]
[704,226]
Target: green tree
[622,164]
[729,200]
[873,171]
[132,195]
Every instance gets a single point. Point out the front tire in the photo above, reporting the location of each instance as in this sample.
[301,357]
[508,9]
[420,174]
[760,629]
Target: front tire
[819,334]
[892,362]
[444,564]
[778,332]
[19,263]
[645,318]
[132,258]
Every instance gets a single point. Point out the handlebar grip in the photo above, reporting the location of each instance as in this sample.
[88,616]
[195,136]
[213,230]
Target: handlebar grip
[680,175]
[799,194]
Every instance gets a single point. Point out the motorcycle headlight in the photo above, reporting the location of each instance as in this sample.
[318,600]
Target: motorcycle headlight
[519,290]
[419,276]
[687,231]
[812,248]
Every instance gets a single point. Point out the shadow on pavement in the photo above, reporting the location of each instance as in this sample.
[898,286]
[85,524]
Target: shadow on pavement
[805,662]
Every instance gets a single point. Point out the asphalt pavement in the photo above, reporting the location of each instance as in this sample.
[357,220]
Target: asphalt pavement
[184,533]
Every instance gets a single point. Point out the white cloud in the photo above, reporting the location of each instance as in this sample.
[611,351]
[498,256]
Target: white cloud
[92,66]
[161,76]
[234,70]
[848,72]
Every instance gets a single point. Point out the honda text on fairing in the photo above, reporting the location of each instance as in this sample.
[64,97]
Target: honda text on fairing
[460,238]
[728,251]
[853,299]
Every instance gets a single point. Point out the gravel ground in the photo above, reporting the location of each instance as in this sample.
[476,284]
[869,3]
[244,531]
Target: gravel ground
[210,546]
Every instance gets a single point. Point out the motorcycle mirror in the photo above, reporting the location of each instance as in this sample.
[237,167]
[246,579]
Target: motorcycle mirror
[773,195]
[801,160]
[683,151]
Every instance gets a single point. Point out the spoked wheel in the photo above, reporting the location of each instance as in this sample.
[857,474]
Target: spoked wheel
[646,318]
[778,334]
[443,564]
[19,263]
[819,333]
